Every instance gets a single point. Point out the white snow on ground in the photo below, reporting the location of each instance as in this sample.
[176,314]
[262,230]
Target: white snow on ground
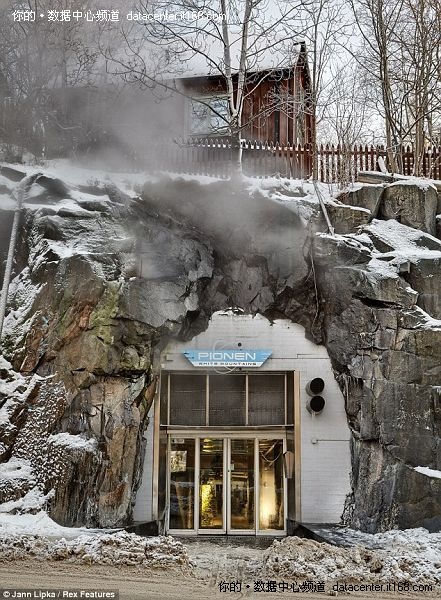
[4,181]
[407,244]
[39,524]
[32,502]
[340,204]
[74,442]
[429,472]
[285,188]
[75,175]
[296,195]
[412,555]
[27,535]
[120,548]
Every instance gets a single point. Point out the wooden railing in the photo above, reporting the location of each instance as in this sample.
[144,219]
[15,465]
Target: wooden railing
[217,157]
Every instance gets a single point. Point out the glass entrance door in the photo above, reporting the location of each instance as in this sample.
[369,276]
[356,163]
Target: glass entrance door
[271,485]
[181,483]
[226,485]
[241,488]
[211,484]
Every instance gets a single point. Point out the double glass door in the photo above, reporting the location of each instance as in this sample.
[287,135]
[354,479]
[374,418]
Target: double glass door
[226,485]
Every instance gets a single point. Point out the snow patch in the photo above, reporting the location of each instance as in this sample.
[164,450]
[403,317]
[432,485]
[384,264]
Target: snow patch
[69,208]
[202,179]
[422,182]
[15,468]
[384,269]
[429,472]
[343,205]
[103,548]
[73,442]
[23,292]
[32,502]
[39,524]
[77,175]
[406,241]
[410,555]
[7,202]
[427,322]
[5,364]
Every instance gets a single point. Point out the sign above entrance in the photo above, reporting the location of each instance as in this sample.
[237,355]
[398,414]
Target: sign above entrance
[227,358]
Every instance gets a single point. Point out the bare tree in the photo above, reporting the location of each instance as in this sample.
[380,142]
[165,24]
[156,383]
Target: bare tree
[39,61]
[400,54]
[345,117]
[419,42]
[327,28]
[232,40]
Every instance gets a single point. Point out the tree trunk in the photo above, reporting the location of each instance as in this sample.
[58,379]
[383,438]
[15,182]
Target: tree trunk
[8,268]
[236,155]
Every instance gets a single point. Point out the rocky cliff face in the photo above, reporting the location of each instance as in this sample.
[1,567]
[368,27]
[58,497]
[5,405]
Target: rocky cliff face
[105,278]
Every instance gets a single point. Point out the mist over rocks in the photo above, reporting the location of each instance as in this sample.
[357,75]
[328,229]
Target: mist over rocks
[104,278]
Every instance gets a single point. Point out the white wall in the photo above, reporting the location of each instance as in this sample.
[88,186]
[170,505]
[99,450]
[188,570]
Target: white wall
[325,446]
[325,456]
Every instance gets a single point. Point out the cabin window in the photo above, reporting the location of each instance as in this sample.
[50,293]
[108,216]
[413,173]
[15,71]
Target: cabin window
[210,116]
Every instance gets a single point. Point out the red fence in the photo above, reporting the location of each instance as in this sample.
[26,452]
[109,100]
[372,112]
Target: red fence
[216,157]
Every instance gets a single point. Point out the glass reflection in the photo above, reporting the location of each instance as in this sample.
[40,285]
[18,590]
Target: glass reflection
[211,486]
[271,484]
[181,463]
[242,484]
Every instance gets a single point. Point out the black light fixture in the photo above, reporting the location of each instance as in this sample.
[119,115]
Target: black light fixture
[316,403]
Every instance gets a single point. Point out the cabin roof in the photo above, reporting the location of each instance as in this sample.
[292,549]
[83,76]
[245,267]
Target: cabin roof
[199,66]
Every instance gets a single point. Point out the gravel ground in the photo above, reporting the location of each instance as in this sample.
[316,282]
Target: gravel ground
[137,584]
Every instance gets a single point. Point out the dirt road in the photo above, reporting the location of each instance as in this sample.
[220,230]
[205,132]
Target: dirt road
[134,584]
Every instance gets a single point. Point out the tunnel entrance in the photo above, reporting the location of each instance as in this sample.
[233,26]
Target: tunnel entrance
[237,447]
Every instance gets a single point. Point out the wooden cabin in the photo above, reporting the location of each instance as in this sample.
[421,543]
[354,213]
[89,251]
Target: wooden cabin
[277,104]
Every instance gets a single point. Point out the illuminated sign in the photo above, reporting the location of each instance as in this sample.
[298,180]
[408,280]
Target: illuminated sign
[227,358]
